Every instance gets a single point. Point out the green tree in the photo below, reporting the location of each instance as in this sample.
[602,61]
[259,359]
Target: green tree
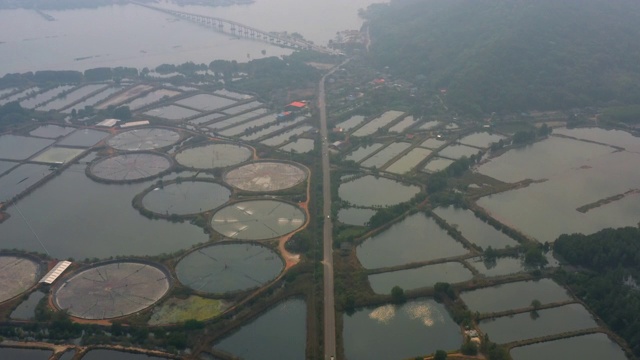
[469,348]
[440,355]
[397,295]
[122,113]
[535,304]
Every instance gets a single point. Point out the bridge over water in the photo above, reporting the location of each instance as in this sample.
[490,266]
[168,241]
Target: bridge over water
[244,31]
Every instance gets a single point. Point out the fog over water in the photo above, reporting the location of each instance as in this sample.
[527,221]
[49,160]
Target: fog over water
[131,35]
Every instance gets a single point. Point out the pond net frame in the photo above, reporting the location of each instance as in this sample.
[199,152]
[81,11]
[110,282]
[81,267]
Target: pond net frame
[266,176]
[258,219]
[144,139]
[129,167]
[112,289]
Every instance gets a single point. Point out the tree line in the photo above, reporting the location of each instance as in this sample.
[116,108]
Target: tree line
[610,268]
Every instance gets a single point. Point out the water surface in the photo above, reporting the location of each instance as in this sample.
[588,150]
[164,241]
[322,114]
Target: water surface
[280,333]
[586,347]
[474,229]
[542,323]
[26,309]
[385,155]
[80,229]
[514,295]
[376,191]
[398,332]
[101,354]
[425,276]
[355,216]
[13,147]
[24,354]
[416,238]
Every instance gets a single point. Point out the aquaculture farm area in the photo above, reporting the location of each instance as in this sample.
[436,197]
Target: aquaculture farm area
[184,221]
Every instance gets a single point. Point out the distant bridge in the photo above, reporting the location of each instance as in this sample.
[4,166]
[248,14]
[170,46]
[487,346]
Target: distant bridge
[244,31]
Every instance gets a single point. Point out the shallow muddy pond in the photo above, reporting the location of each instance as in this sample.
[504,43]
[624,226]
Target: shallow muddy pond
[377,123]
[414,329]
[425,276]
[24,354]
[14,147]
[408,161]
[351,123]
[474,229]
[432,143]
[206,102]
[229,267]
[93,100]
[416,238]
[261,121]
[481,140]
[300,146]
[172,112]
[541,323]
[232,94]
[402,125]
[78,228]
[456,152]
[241,108]
[362,152]
[44,97]
[385,155]
[205,119]
[285,136]
[151,98]
[72,97]
[237,119]
[586,347]
[51,131]
[84,138]
[429,125]
[376,191]
[516,295]
[437,164]
[58,155]
[20,95]
[355,216]
[272,129]
[280,333]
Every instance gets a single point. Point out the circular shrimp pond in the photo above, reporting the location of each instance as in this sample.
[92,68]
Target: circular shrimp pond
[213,156]
[265,176]
[185,198]
[112,290]
[144,139]
[229,267]
[17,275]
[130,167]
[257,219]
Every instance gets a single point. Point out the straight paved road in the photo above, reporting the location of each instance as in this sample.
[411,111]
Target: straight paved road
[327,238]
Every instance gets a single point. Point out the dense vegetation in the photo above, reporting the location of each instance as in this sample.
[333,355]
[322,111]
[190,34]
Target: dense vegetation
[611,259]
[505,55]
